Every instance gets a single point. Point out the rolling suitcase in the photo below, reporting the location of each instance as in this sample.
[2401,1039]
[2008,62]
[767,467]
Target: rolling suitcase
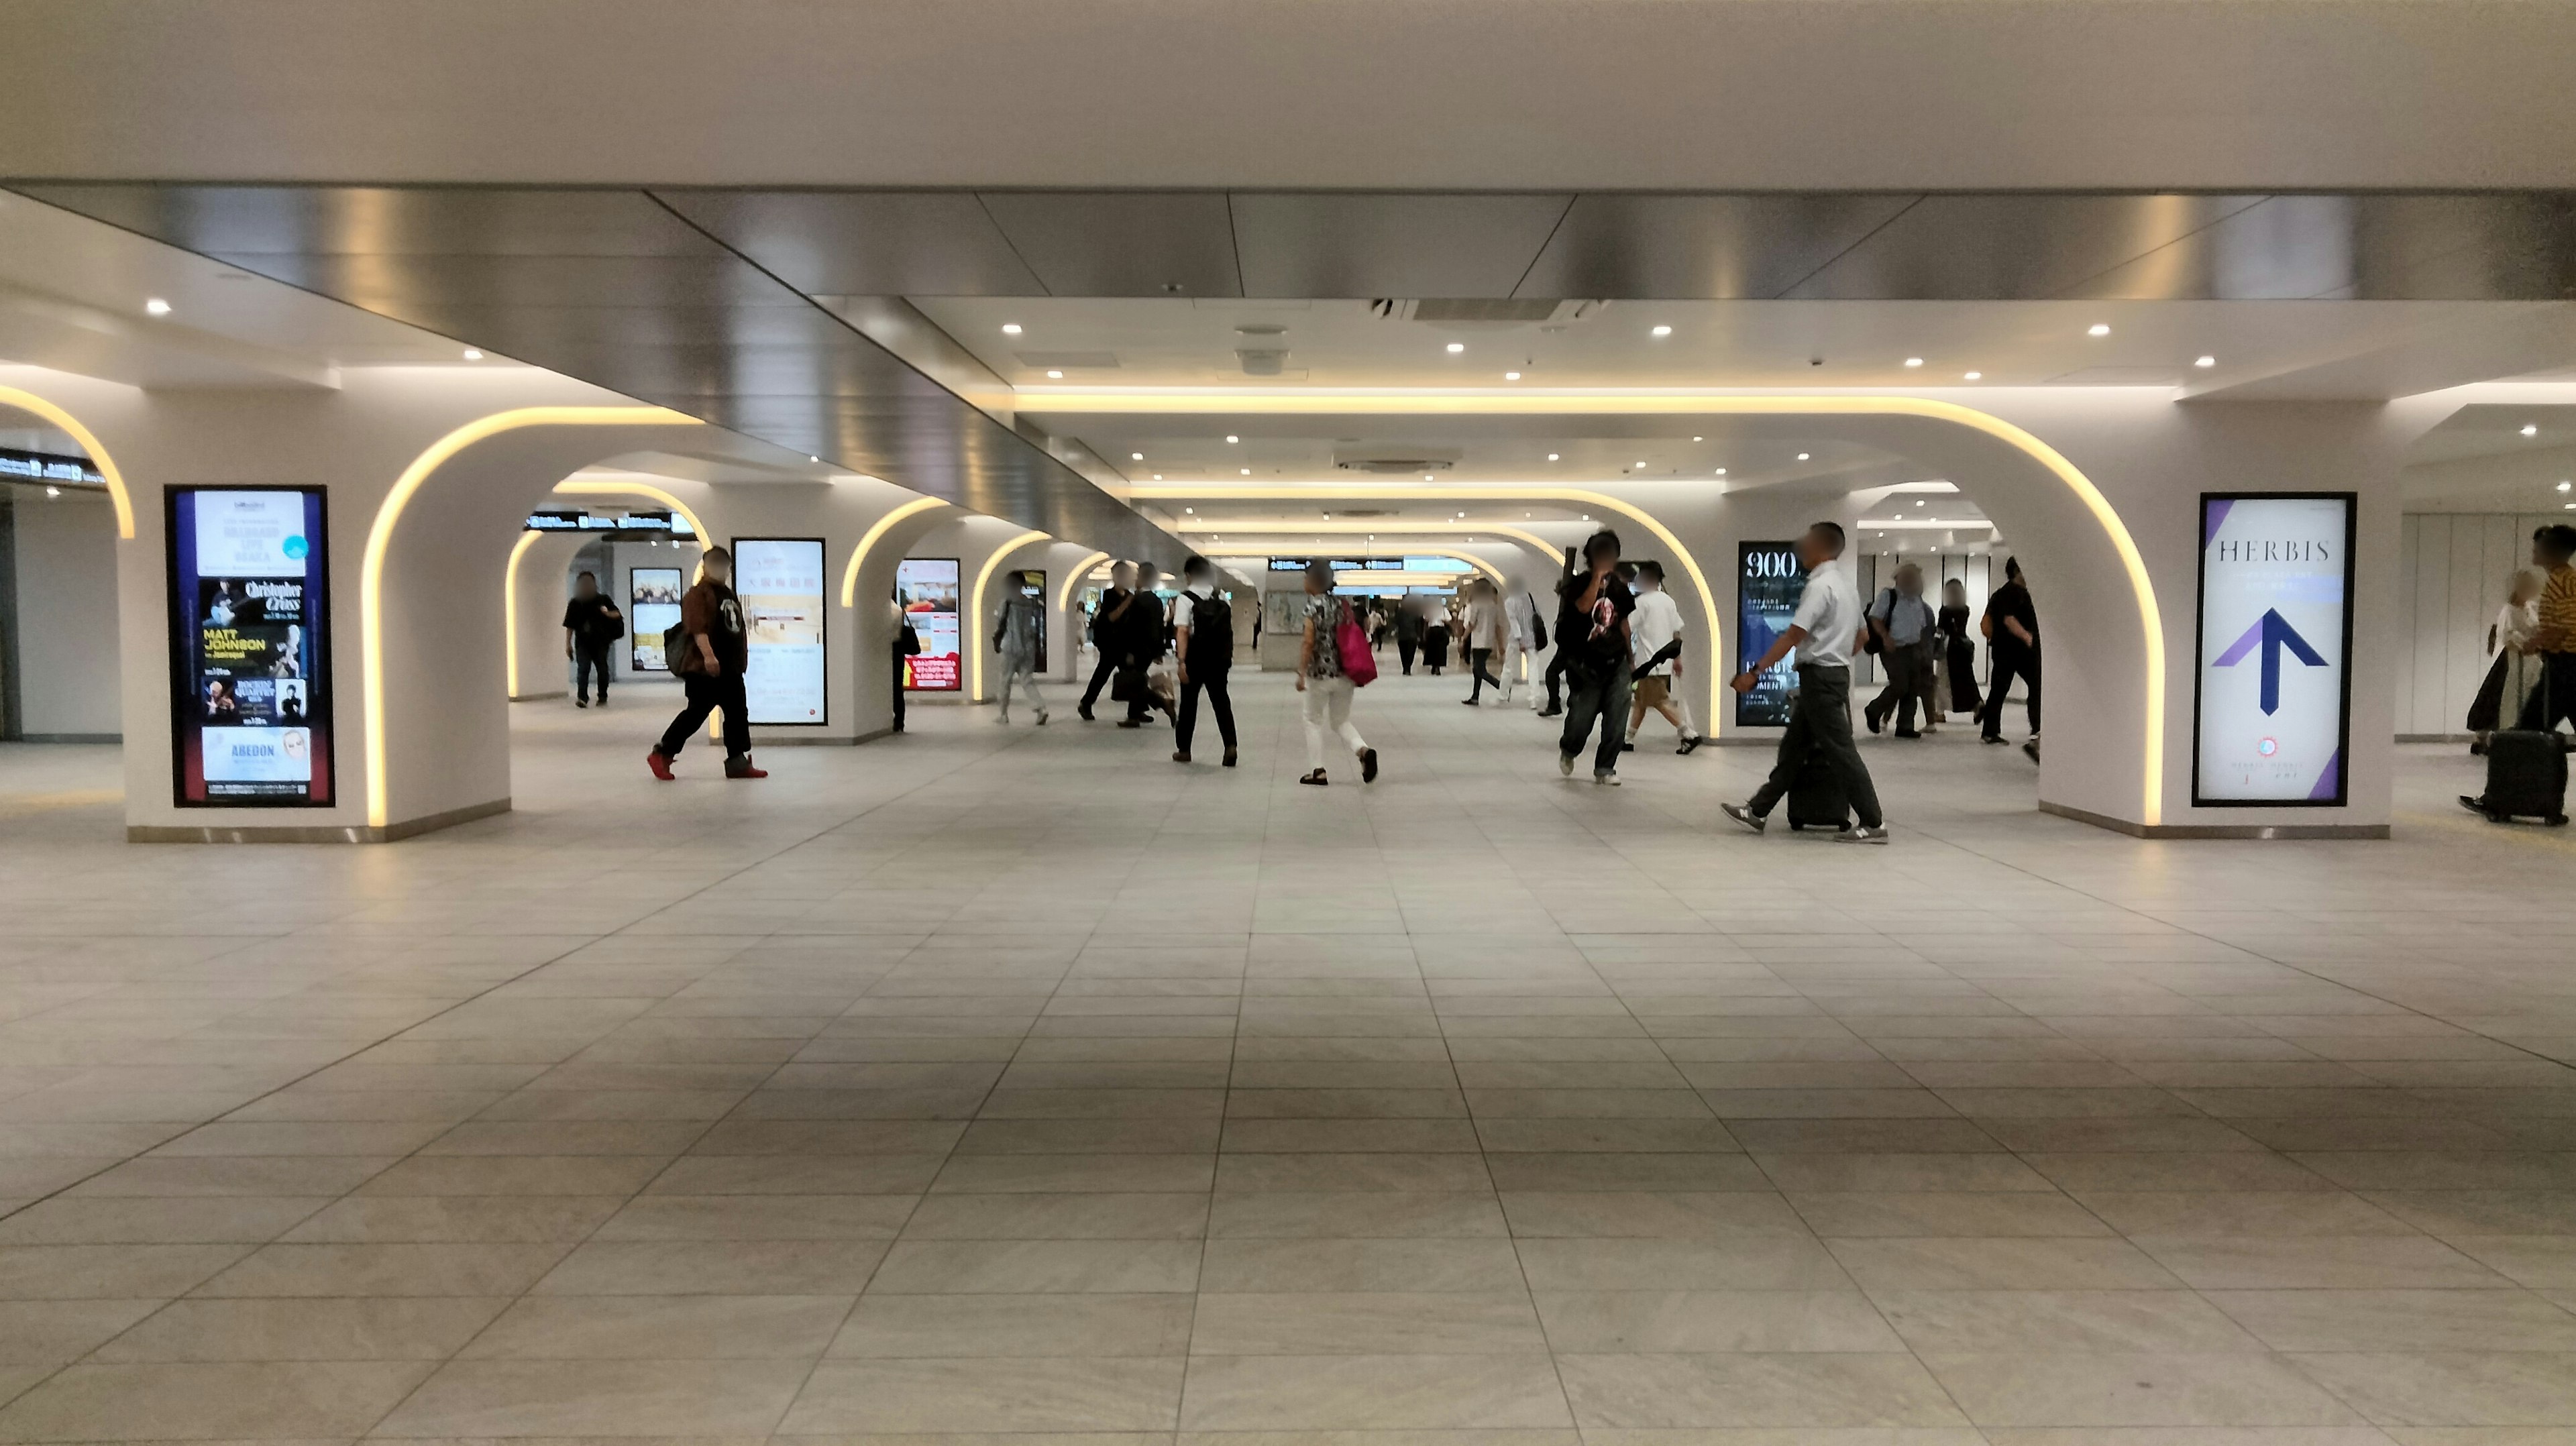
[2526,778]
[1816,800]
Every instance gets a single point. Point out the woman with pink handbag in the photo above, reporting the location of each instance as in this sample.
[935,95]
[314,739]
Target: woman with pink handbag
[1333,659]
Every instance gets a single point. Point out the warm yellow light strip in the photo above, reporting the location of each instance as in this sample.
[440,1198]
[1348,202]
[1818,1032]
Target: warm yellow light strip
[380,536]
[869,539]
[603,487]
[1403,403]
[89,443]
[1380,491]
[975,641]
[1073,579]
[510,603]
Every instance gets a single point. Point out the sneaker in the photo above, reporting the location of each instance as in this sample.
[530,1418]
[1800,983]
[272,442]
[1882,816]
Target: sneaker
[1605,780]
[1565,765]
[1180,756]
[1368,765]
[1629,746]
[1990,738]
[1691,743]
[2031,750]
[1858,834]
[1745,816]
[2473,804]
[581,702]
[1139,723]
[1551,712]
[744,769]
[1083,711]
[1905,733]
[1874,718]
[1467,702]
[1229,758]
[660,765]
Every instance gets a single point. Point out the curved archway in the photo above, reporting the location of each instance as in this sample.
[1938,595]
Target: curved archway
[380,536]
[1073,579]
[611,487]
[875,533]
[117,496]
[984,575]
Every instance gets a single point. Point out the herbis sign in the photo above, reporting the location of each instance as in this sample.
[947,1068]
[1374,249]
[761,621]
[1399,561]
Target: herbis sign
[2275,650]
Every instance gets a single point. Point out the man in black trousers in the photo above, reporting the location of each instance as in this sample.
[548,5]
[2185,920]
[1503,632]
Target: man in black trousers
[1203,625]
[1109,625]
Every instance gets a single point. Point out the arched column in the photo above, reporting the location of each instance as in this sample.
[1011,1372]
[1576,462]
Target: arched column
[534,612]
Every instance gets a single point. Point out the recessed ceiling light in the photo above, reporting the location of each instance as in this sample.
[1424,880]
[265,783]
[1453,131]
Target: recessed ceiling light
[1914,361]
[1158,476]
[1010,328]
[1918,501]
[1972,376]
[1053,375]
[157,307]
[1699,439]
[1660,331]
[1721,471]
[1230,437]
[1551,456]
[813,459]
[1641,463]
[2566,486]
[53,491]
[1247,471]
[1511,376]
[2207,361]
[2099,328]
[1191,510]
[2531,429]
[1802,456]
[1456,347]
[473,355]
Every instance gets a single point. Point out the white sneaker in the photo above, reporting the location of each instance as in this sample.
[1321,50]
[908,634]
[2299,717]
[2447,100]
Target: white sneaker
[1857,834]
[1565,765]
[1606,780]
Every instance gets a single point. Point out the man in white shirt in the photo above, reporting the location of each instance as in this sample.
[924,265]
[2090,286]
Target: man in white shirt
[1824,631]
[1520,640]
[1655,635]
[1482,633]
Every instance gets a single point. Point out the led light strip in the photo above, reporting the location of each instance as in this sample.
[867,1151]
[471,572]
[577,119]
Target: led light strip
[1073,579]
[869,539]
[974,641]
[380,536]
[115,480]
[510,603]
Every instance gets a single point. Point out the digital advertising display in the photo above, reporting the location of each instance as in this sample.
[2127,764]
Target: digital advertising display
[1034,589]
[780,583]
[652,610]
[1768,583]
[2274,709]
[250,608]
[926,589]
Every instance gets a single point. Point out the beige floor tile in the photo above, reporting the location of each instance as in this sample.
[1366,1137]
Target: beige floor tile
[163,1221]
[758,1217]
[997,1394]
[2000,1264]
[52,1333]
[387,1270]
[1274,1266]
[454,1220]
[1382,1393]
[1038,1267]
[347,1329]
[1760,1262]
[1353,1214]
[2316,1262]
[715,1267]
[738,1326]
[1375,1322]
[1990,1322]
[2451,1388]
[1719,1214]
[1796,1391]
[1947,1212]
[2070,1388]
[1017,1325]
[87,1272]
[598,1398]
[210,1401]
[2400,1320]
[1700,1321]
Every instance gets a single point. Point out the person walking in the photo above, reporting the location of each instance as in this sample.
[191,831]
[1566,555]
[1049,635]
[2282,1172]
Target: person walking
[590,623]
[1326,688]
[907,646]
[2509,678]
[2012,646]
[1902,623]
[2553,696]
[1559,655]
[1521,632]
[1016,629]
[1408,632]
[1824,631]
[1203,630]
[1109,624]
[1958,648]
[1148,638]
[1592,632]
[1484,638]
[1435,638]
[1655,640]
[710,667]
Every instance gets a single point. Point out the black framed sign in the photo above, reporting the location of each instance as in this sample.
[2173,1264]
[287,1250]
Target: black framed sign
[250,654]
[780,583]
[2272,707]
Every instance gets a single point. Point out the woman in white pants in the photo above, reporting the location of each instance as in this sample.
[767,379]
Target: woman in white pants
[1319,677]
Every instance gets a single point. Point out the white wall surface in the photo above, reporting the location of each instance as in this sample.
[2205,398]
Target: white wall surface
[67,643]
[2451,575]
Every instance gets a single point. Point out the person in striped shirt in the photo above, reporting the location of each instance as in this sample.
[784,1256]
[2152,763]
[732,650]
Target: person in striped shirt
[2555,641]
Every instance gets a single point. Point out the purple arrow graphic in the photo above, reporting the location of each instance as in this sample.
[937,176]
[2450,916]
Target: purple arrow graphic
[2273,633]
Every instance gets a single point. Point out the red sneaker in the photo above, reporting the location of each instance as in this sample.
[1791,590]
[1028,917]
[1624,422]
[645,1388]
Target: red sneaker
[660,765]
[745,770]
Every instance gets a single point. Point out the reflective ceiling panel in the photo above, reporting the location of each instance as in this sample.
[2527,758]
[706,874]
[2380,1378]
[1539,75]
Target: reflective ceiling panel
[900,243]
[1122,243]
[1700,248]
[1325,244]
[2001,248]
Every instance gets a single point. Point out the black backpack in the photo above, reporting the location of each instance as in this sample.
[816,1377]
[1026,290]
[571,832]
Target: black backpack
[1211,632]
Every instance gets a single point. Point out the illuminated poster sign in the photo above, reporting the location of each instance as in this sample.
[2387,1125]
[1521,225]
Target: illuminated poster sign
[652,610]
[1768,583]
[780,582]
[1034,589]
[926,589]
[250,609]
[2274,708]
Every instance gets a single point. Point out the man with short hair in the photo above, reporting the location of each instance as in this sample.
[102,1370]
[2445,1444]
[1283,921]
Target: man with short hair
[710,664]
[2553,550]
[1109,624]
[1655,636]
[1017,626]
[1203,627]
[1824,631]
[1902,623]
[590,623]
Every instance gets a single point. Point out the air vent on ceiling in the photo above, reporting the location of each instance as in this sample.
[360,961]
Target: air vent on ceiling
[1361,512]
[1262,362]
[1068,361]
[1480,310]
[1394,461]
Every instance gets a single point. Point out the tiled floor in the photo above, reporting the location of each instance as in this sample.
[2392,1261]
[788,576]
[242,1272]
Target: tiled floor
[1016,1083]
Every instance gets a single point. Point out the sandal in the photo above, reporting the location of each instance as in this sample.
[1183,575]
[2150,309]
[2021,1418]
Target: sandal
[1316,778]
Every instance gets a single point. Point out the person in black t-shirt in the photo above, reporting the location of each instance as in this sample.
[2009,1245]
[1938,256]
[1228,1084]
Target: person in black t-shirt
[1110,626]
[590,623]
[2012,641]
[1592,636]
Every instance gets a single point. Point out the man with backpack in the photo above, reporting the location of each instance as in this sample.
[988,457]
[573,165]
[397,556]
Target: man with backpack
[1593,607]
[590,622]
[1900,624]
[1203,625]
[1109,629]
[707,650]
